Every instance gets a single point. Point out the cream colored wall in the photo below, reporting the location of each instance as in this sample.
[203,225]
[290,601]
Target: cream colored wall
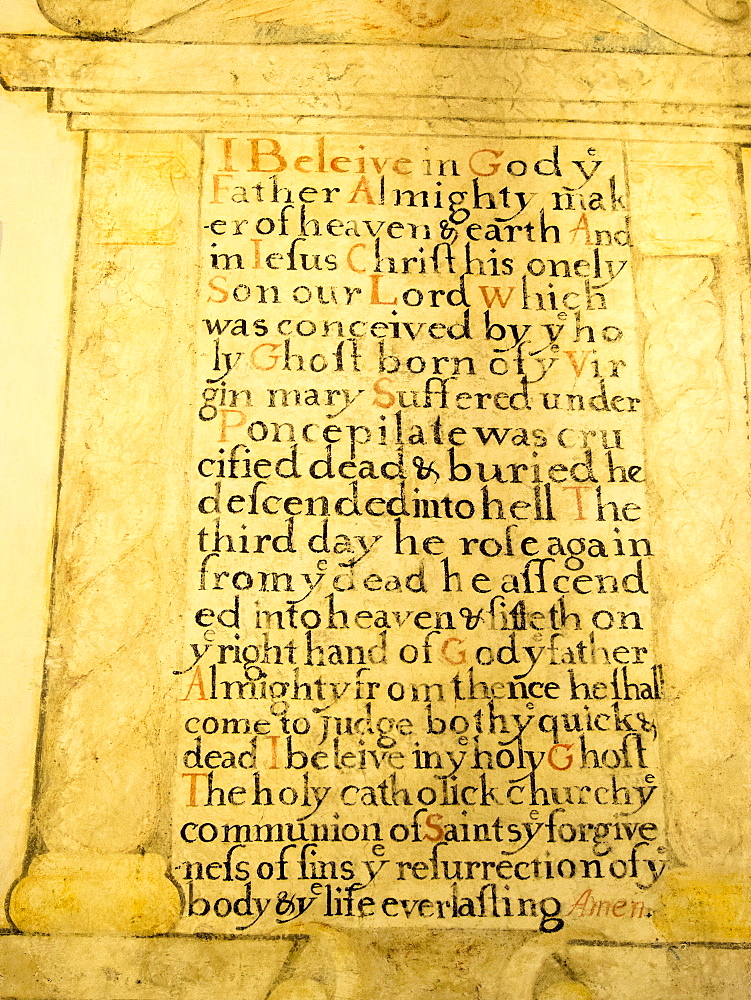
[23,17]
[39,173]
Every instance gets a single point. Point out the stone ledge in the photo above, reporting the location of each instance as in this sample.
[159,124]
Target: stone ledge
[70,64]
[253,968]
[36,967]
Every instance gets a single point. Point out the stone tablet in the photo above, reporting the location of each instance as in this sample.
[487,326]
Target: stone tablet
[399,606]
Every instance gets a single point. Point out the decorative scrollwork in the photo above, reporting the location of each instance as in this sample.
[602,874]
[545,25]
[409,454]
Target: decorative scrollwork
[733,11]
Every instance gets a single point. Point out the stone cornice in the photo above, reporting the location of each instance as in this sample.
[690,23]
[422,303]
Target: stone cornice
[141,86]
[50,62]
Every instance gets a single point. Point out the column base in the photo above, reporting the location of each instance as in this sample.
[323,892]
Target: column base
[699,906]
[128,894]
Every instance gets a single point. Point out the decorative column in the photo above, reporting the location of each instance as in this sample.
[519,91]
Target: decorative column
[100,824]
[687,205]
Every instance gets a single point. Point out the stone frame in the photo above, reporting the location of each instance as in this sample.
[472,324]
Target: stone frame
[145,95]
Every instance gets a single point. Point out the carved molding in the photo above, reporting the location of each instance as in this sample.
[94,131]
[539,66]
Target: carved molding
[608,80]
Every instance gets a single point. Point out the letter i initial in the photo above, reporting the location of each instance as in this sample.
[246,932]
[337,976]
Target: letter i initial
[228,168]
